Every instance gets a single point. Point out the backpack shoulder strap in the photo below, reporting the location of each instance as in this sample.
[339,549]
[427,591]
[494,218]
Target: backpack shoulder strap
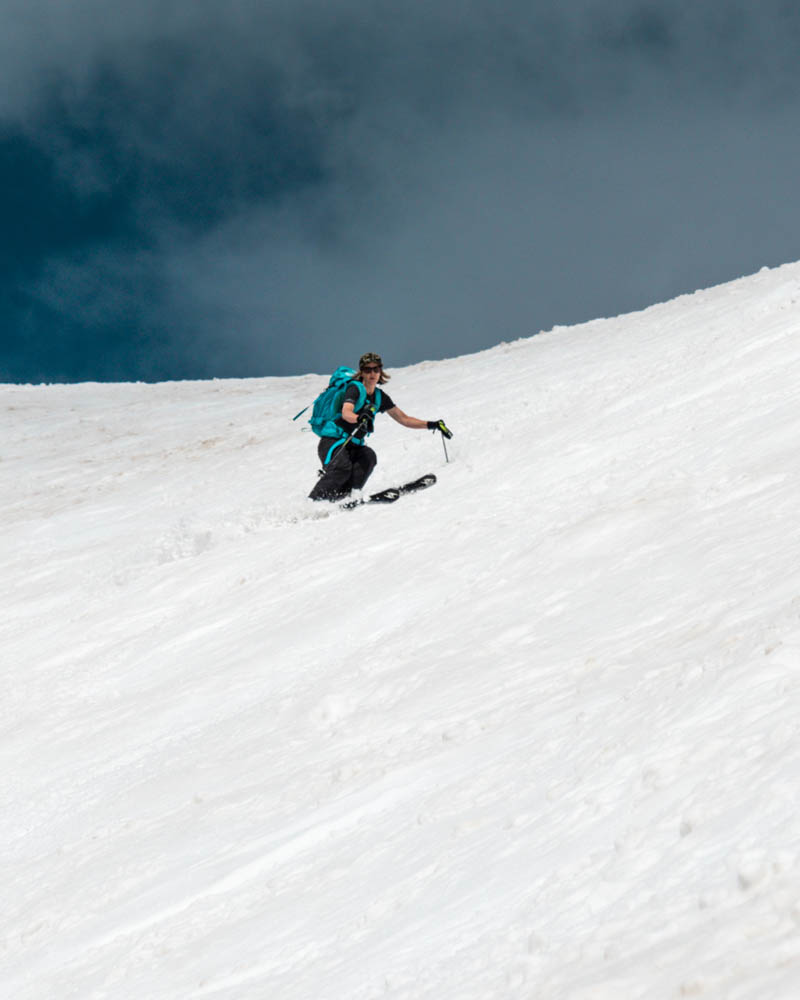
[362,394]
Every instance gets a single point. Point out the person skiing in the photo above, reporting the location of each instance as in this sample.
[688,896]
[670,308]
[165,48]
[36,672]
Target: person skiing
[347,462]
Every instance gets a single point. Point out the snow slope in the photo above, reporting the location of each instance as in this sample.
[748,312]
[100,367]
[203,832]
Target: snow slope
[533,733]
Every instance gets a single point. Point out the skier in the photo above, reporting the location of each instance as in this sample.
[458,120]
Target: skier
[348,464]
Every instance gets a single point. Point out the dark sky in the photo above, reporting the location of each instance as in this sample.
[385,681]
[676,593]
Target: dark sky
[268,187]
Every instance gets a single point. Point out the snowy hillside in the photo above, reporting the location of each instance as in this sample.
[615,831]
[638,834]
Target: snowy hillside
[533,733]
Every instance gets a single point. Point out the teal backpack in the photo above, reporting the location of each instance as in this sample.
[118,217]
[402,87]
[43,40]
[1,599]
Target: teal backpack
[327,407]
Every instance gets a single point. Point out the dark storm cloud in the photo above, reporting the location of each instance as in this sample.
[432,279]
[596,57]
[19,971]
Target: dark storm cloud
[198,189]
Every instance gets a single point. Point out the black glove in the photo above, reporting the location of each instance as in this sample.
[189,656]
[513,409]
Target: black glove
[441,426]
[366,424]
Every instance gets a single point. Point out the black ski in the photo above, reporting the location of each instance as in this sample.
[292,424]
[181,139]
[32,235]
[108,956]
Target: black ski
[418,484]
[392,494]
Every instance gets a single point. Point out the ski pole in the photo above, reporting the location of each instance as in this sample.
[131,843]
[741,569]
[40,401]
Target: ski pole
[343,446]
[444,430]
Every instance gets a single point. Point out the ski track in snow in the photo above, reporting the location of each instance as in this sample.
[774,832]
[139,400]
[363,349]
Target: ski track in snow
[533,733]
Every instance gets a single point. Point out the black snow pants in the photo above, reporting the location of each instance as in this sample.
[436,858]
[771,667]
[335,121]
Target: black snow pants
[348,468]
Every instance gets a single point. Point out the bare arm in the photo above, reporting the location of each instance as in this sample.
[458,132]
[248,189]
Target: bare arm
[349,413]
[403,418]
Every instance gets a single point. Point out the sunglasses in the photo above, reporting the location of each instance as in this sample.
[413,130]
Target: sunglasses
[371,368]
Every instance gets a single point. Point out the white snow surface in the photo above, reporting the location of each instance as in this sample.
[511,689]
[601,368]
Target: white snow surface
[532,733]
